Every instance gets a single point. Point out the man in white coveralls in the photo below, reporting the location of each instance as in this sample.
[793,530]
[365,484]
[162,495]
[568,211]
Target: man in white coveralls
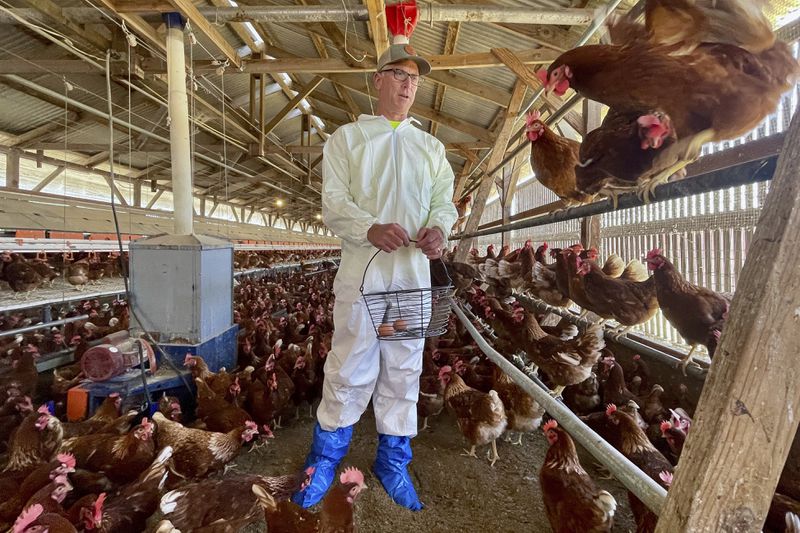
[385,181]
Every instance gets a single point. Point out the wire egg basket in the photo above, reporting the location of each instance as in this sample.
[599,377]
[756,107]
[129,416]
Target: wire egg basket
[409,313]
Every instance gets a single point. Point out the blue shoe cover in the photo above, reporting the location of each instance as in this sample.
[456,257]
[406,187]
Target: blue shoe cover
[391,468]
[327,449]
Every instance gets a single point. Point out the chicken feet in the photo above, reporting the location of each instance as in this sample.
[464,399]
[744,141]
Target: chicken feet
[490,454]
[470,453]
[686,361]
[424,424]
[493,457]
[688,156]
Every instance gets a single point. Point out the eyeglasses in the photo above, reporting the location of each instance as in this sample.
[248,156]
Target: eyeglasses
[401,76]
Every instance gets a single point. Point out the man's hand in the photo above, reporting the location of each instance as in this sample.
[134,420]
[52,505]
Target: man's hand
[430,241]
[388,237]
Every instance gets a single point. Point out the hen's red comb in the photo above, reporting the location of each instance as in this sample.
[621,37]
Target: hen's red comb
[550,424]
[28,517]
[610,409]
[43,410]
[66,459]
[101,499]
[351,474]
[665,425]
[654,252]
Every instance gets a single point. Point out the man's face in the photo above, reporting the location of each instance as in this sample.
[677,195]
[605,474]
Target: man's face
[396,96]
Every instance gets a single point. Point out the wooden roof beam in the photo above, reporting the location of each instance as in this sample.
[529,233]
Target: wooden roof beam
[302,93]
[344,94]
[453,29]
[286,63]
[139,25]
[377,24]
[57,14]
[504,134]
[200,23]
[238,28]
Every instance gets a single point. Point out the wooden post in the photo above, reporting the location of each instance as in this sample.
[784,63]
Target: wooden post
[750,406]
[202,206]
[505,203]
[12,169]
[590,226]
[502,138]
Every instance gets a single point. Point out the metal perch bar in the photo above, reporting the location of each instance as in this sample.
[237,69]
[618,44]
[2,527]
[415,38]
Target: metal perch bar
[47,325]
[746,173]
[647,490]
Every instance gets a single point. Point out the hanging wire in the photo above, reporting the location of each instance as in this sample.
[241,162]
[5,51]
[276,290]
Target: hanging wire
[64,155]
[346,26]
[131,187]
[225,151]
[112,182]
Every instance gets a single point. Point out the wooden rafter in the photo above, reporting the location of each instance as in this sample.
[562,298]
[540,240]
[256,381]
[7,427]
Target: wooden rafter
[519,68]
[302,93]
[49,179]
[139,25]
[201,24]
[549,36]
[351,51]
[453,29]
[344,94]
[116,191]
[57,14]
[286,63]
[504,134]
[377,24]
[239,28]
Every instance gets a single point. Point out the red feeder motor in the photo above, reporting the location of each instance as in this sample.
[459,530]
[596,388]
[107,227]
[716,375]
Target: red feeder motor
[117,353]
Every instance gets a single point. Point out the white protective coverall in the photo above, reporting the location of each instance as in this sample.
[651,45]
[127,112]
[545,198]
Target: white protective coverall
[372,174]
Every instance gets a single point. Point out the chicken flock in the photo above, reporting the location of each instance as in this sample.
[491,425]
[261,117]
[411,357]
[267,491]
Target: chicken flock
[619,399]
[124,470]
[24,273]
[616,290]
[670,87]
[114,470]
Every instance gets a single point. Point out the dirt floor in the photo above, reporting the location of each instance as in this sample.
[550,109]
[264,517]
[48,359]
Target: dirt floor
[460,493]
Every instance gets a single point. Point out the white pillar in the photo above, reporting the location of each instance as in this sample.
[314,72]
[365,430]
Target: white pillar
[179,126]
